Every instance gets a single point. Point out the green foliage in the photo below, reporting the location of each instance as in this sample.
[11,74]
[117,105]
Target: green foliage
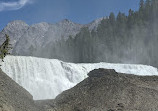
[5,47]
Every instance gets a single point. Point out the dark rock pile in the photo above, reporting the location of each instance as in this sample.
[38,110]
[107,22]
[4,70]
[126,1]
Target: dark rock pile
[106,90]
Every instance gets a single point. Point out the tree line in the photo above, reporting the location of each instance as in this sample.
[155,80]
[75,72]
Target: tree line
[131,38]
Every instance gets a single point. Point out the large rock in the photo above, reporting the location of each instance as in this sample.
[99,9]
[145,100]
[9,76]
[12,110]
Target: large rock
[101,72]
[110,92]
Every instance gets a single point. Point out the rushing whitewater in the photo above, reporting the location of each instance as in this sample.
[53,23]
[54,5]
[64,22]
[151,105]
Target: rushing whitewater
[46,78]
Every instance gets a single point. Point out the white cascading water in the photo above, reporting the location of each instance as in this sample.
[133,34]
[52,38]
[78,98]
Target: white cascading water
[46,78]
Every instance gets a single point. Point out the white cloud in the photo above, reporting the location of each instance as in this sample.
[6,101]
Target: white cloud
[13,5]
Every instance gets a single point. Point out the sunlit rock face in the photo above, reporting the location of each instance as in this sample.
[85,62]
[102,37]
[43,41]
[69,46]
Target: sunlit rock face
[15,30]
[46,78]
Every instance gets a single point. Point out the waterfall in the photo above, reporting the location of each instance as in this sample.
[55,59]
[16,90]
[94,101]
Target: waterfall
[46,78]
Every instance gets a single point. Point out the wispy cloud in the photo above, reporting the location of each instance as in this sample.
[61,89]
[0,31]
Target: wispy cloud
[14,5]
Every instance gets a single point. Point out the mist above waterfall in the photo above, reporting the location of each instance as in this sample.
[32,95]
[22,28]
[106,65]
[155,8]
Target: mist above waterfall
[123,38]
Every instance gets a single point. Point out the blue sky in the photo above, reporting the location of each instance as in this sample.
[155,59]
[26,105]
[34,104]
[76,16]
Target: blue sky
[52,11]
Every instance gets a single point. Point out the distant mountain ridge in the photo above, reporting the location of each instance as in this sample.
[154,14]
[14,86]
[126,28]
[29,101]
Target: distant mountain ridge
[39,35]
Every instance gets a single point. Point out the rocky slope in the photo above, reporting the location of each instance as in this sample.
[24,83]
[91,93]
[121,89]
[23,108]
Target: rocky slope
[13,97]
[107,90]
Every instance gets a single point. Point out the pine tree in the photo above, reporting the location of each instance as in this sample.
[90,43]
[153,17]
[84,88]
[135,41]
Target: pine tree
[112,18]
[5,47]
[141,4]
